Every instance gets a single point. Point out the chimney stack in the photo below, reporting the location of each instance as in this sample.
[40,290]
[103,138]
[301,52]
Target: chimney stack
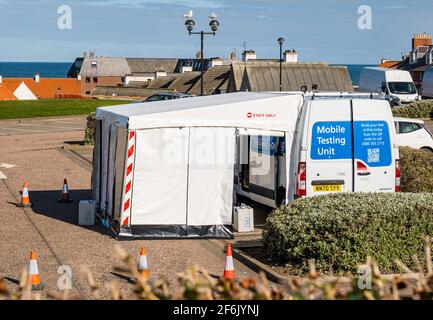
[92,54]
[1,79]
[216,62]
[421,39]
[160,74]
[37,78]
[184,69]
[249,55]
[290,56]
[84,54]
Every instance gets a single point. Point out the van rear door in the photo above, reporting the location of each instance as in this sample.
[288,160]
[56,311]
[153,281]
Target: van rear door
[373,129]
[329,164]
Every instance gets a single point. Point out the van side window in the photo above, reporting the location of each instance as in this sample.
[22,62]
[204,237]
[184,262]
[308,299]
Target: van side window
[408,127]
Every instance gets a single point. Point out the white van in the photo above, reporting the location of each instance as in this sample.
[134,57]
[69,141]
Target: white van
[340,145]
[427,83]
[397,85]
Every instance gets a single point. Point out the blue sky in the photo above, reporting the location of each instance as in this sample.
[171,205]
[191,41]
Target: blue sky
[321,30]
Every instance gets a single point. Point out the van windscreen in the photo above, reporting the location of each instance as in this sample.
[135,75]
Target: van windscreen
[402,87]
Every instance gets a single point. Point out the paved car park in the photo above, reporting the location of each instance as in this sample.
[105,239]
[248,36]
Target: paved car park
[42,125]
[51,228]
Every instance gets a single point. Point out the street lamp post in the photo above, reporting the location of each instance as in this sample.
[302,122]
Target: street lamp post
[214,24]
[280,42]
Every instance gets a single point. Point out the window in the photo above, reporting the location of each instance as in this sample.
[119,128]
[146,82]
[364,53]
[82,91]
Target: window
[87,80]
[402,87]
[88,93]
[408,127]
[95,80]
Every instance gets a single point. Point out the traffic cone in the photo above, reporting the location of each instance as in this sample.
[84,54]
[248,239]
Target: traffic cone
[25,199]
[34,276]
[142,263]
[65,193]
[229,270]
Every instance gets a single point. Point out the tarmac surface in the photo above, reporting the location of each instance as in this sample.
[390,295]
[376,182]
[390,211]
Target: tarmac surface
[42,125]
[51,228]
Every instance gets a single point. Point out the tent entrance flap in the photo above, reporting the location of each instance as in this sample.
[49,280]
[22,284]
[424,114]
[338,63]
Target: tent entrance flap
[159,188]
[183,182]
[210,176]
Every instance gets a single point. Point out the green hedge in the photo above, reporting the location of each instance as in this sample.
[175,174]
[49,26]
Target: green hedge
[416,170]
[340,231]
[420,109]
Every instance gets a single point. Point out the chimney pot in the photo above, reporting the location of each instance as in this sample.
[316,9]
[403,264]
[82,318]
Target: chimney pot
[290,56]
[216,62]
[160,74]
[184,69]
[249,55]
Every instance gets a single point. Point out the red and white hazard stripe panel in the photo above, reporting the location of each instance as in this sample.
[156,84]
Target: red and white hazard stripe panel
[127,192]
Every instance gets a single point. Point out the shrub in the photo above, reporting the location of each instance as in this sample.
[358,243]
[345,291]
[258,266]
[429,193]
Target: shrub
[416,170]
[420,109]
[340,231]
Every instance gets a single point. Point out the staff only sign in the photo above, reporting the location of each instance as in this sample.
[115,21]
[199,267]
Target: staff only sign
[333,141]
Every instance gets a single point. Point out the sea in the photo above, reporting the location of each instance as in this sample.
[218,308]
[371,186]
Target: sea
[60,69]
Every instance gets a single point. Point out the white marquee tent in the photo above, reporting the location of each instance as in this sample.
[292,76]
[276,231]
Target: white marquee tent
[166,169]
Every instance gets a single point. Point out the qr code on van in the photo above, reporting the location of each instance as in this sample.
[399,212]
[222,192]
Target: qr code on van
[373,155]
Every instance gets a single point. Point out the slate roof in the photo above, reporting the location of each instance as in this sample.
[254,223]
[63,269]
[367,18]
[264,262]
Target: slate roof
[185,81]
[104,67]
[163,82]
[112,91]
[145,65]
[260,76]
[214,80]
[137,84]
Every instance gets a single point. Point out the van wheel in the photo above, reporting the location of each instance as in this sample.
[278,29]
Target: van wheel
[281,196]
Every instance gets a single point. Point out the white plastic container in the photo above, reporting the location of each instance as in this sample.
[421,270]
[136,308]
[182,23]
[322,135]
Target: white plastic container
[86,213]
[243,219]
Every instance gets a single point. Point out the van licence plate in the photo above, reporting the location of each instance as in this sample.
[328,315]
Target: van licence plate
[328,188]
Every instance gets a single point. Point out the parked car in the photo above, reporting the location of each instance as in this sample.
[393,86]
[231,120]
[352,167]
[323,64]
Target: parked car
[397,85]
[162,96]
[413,133]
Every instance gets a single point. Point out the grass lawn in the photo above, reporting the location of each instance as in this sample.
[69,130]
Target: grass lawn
[52,107]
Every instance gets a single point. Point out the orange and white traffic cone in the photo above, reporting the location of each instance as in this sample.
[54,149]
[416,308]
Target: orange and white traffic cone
[65,193]
[25,198]
[34,276]
[142,263]
[229,270]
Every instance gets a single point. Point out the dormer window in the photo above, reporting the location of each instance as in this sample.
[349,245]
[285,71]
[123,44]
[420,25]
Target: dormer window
[418,53]
[429,56]
[94,64]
